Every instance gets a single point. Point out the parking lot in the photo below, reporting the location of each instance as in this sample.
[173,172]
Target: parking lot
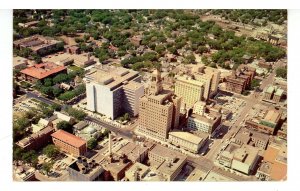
[26,105]
[59,167]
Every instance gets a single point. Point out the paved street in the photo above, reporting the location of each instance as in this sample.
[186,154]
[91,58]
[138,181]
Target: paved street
[201,163]
[250,102]
[126,133]
[40,98]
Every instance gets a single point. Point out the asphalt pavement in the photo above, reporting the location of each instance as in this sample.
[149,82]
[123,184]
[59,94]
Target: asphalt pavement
[40,98]
[117,130]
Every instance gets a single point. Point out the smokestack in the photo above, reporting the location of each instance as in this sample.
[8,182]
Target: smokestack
[84,162]
[109,144]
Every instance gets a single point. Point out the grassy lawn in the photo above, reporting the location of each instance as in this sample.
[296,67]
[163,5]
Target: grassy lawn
[75,68]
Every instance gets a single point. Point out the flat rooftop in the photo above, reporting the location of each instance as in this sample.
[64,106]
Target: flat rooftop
[132,150]
[208,117]
[189,80]
[270,89]
[216,177]
[173,159]
[111,77]
[245,153]
[277,156]
[196,175]
[279,92]
[116,166]
[19,60]
[41,71]
[132,85]
[35,42]
[89,169]
[187,136]
[272,116]
[68,138]
[162,97]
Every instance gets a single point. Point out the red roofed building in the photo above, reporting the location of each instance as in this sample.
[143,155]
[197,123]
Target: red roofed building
[42,71]
[69,143]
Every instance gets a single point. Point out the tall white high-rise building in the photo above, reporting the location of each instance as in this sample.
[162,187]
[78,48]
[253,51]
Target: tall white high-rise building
[113,91]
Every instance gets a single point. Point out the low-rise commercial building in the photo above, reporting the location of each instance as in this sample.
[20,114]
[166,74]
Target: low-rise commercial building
[38,44]
[167,161]
[134,152]
[23,173]
[59,117]
[275,163]
[85,170]
[264,171]
[115,167]
[19,63]
[268,124]
[73,49]
[40,125]
[282,132]
[207,122]
[187,141]
[254,138]
[243,158]
[69,143]
[241,79]
[273,93]
[196,175]
[88,133]
[271,119]
[141,172]
[28,24]
[37,140]
[42,71]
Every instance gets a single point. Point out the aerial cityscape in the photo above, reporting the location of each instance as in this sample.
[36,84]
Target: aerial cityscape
[149,95]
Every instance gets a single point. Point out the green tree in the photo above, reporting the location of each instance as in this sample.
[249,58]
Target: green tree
[30,157]
[56,91]
[105,133]
[254,83]
[61,78]
[64,125]
[281,72]
[160,48]
[56,107]
[47,166]
[202,49]
[37,58]
[92,143]
[25,52]
[51,151]
[190,58]
[126,117]
[77,114]
[47,90]
[47,111]
[17,153]
[48,82]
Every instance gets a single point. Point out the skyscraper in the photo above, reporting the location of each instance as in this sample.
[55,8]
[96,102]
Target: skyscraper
[189,89]
[113,91]
[159,110]
[199,84]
